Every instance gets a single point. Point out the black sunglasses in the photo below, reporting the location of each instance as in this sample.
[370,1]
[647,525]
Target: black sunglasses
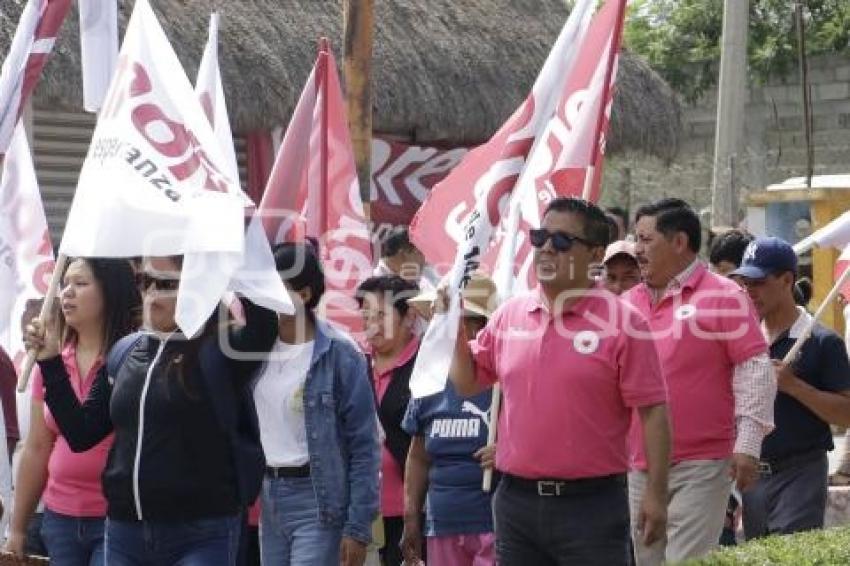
[561,241]
[146,280]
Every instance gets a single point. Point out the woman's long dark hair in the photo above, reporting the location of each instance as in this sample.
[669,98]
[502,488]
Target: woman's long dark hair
[299,267]
[121,299]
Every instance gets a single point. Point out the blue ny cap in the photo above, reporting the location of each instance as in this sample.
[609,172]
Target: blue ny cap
[767,256]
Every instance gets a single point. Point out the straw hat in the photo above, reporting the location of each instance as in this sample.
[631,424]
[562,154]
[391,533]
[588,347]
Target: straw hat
[480,297]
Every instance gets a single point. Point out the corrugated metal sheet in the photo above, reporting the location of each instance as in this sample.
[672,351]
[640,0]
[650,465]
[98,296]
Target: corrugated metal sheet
[60,143]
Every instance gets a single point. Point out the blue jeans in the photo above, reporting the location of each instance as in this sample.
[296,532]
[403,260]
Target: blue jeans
[201,542]
[73,541]
[290,529]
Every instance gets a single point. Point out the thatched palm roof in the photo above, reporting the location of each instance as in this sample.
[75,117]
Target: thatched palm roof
[444,70]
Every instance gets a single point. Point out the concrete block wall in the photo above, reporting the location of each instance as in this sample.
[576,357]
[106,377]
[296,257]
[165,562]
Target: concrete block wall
[774,141]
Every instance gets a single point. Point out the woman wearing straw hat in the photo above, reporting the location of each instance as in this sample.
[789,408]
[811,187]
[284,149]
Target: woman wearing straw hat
[447,454]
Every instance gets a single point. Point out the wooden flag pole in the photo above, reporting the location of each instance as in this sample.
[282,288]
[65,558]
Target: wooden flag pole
[798,345]
[495,405]
[46,306]
[358,38]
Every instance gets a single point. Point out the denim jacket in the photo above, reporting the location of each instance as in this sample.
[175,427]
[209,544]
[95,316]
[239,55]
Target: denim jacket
[342,434]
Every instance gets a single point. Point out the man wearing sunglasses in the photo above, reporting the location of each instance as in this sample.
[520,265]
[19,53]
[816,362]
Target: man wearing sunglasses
[571,372]
[719,379]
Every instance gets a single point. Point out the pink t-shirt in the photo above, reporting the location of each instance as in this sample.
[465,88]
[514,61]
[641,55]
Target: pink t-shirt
[702,330]
[392,480]
[570,383]
[73,479]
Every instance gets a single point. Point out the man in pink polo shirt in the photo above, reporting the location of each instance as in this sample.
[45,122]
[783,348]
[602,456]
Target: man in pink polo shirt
[571,371]
[720,383]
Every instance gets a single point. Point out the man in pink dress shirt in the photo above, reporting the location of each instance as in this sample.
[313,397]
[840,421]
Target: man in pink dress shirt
[720,382]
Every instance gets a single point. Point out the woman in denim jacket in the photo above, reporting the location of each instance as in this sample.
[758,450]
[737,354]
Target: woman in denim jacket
[319,432]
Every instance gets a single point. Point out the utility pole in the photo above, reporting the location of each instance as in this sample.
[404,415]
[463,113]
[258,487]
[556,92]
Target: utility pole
[731,100]
[358,37]
[807,93]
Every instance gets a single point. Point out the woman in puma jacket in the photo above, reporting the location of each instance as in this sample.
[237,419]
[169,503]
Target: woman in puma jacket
[186,457]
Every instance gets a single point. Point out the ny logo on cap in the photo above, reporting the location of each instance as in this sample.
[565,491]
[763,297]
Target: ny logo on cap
[750,252]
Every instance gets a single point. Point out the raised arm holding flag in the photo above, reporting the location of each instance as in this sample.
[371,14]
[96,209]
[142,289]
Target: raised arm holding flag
[186,458]
[568,154]
[543,151]
[156,181]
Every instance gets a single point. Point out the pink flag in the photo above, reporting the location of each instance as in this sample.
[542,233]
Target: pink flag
[548,148]
[313,191]
[32,44]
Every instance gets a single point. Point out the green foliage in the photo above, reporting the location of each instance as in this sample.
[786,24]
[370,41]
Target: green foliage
[815,548]
[681,38]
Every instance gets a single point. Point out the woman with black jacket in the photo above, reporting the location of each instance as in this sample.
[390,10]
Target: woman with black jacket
[186,459]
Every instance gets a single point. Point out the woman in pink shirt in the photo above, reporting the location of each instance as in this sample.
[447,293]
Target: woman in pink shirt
[99,304]
[390,331]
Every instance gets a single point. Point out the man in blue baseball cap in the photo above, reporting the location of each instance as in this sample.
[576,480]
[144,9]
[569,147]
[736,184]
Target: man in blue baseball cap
[814,392]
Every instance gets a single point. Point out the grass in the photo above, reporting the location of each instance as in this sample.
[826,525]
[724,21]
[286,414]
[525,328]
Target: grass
[829,547]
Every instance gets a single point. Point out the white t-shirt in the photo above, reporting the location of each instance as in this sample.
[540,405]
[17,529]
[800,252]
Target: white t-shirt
[279,396]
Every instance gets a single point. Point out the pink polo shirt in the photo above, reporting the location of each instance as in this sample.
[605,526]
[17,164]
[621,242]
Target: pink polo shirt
[392,480]
[702,329]
[73,479]
[570,383]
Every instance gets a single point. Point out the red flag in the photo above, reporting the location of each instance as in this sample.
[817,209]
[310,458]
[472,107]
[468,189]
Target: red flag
[32,44]
[551,144]
[313,191]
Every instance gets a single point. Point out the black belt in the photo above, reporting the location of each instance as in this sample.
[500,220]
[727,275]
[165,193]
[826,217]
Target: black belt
[561,488]
[772,466]
[288,471]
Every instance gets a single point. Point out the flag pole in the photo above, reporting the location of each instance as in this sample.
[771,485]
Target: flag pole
[358,39]
[493,427]
[804,335]
[596,148]
[46,308]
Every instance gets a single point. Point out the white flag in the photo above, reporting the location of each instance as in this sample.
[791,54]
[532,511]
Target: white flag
[155,181]
[836,234]
[210,90]
[251,273]
[26,255]
[98,49]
